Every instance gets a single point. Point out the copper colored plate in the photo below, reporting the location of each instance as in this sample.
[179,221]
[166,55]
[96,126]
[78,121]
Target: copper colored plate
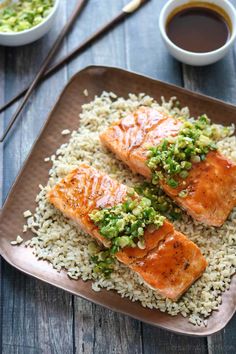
[35,172]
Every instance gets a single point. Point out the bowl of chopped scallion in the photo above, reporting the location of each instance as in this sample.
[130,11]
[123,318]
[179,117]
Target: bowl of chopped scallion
[25,21]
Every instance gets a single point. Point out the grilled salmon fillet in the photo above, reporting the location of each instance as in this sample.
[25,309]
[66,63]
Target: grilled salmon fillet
[211,184]
[169,263]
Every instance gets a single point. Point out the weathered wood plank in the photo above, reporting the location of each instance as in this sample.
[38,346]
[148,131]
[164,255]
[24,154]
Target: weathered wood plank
[21,66]
[2,98]
[225,341]
[2,80]
[145,49]
[98,330]
[101,331]
[217,80]
[146,54]
[37,318]
[160,341]
[108,50]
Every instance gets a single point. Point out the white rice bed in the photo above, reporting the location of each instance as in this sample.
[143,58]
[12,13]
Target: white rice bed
[61,243]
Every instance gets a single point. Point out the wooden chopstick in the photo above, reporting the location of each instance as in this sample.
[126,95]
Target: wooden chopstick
[130,8]
[78,8]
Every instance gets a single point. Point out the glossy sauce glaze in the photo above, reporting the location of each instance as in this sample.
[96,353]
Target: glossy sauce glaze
[169,263]
[209,203]
[198,29]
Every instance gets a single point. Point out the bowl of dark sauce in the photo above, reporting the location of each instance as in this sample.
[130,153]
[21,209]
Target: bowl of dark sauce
[198,32]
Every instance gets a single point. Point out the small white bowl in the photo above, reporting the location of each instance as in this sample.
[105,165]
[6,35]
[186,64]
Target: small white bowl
[192,58]
[13,39]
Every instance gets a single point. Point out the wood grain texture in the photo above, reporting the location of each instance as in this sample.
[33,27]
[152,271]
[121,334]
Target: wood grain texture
[102,331]
[150,58]
[21,65]
[160,341]
[225,341]
[217,80]
[37,318]
[99,330]
[145,50]
[2,98]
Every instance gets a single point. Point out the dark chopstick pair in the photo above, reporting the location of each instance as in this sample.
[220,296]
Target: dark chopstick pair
[78,8]
[130,8]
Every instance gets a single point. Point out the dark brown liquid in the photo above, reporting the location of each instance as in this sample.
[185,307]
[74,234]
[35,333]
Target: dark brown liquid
[198,29]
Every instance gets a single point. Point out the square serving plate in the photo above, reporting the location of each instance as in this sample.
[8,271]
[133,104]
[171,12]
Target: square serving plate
[35,172]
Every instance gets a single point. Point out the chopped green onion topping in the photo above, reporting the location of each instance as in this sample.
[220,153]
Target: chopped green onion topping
[103,263]
[159,200]
[124,225]
[172,183]
[183,193]
[174,156]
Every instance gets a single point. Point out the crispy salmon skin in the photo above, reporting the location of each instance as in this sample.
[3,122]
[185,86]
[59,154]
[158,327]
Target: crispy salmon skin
[169,263]
[211,184]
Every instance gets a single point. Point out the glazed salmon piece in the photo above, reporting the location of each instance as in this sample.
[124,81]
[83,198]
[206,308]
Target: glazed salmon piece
[130,137]
[211,184]
[82,191]
[152,240]
[211,188]
[86,189]
[172,266]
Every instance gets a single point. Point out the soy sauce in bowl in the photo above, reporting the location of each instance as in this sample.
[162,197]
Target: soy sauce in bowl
[199,27]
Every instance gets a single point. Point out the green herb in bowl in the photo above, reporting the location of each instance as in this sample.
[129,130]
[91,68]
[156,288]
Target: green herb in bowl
[24,14]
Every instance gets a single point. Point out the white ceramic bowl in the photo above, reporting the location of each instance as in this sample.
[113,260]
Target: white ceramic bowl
[13,39]
[191,58]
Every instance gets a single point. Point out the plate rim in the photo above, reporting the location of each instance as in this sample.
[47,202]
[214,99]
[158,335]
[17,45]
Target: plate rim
[116,68]
[44,125]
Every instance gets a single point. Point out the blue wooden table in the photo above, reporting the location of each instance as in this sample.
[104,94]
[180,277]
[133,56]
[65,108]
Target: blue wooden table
[38,318]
